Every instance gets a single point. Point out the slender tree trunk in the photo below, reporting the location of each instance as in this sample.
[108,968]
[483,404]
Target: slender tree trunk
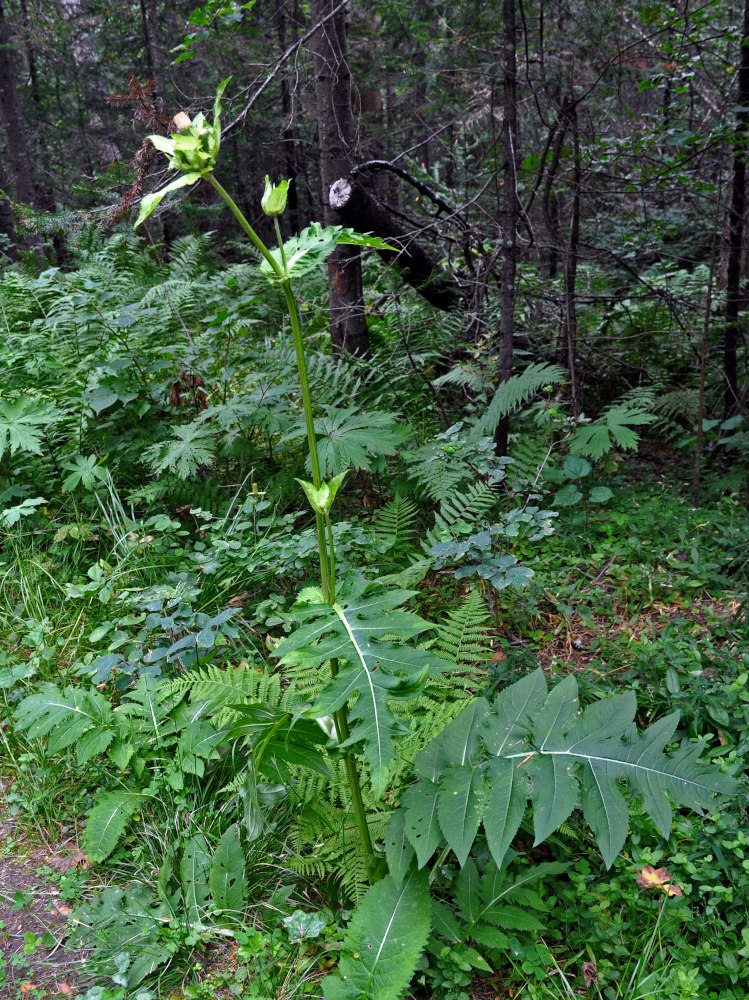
[348,324]
[7,225]
[510,212]
[152,42]
[18,154]
[570,265]
[731,336]
[45,197]
[287,131]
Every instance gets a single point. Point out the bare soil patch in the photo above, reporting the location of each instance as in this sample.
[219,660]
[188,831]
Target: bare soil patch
[34,960]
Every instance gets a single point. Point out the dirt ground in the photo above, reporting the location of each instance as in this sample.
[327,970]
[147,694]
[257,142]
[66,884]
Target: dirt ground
[34,961]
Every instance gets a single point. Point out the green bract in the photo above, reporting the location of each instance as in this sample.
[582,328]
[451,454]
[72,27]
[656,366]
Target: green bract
[193,150]
[274,197]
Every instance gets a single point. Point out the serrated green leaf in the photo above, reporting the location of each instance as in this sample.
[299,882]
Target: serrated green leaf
[23,423]
[506,801]
[374,670]
[92,743]
[304,252]
[383,943]
[539,745]
[422,824]
[467,892]
[194,869]
[107,822]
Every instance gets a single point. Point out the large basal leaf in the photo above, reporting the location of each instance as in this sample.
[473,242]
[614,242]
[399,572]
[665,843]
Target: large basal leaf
[107,822]
[64,716]
[372,669]
[196,863]
[537,745]
[227,880]
[383,943]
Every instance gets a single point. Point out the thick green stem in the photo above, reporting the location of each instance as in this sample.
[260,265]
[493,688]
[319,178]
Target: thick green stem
[238,215]
[296,331]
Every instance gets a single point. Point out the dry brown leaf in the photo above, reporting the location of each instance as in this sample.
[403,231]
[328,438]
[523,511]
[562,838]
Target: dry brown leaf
[657,878]
[63,863]
[27,988]
[61,908]
[590,974]
[65,990]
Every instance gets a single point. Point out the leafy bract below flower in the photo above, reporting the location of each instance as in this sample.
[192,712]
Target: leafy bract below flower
[274,197]
[193,150]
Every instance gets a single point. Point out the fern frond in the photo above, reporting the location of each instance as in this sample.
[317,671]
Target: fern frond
[515,391]
[393,523]
[466,508]
[678,404]
[462,637]
[218,687]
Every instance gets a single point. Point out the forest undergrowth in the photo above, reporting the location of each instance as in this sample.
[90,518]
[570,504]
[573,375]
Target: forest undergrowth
[286,650]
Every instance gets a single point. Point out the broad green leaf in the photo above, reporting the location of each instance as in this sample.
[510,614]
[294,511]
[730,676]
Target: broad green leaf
[62,716]
[92,743]
[107,822]
[196,863]
[150,201]
[348,236]
[539,746]
[383,943]
[467,892]
[505,805]
[303,926]
[422,823]
[348,437]
[460,807]
[23,423]
[568,496]
[304,252]
[227,880]
[374,670]
[575,468]
[398,850]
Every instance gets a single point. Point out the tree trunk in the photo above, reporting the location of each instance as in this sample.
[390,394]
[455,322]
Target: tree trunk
[348,324]
[7,225]
[152,42]
[570,265]
[18,154]
[287,130]
[732,332]
[510,213]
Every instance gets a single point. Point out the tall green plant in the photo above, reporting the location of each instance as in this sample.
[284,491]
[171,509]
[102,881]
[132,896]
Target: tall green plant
[481,771]
[193,152]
